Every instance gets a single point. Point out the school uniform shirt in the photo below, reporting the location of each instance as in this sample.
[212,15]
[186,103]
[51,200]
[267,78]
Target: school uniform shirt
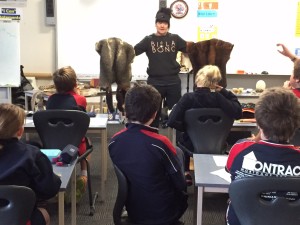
[264,158]
[25,165]
[156,184]
[163,69]
[297,92]
[69,101]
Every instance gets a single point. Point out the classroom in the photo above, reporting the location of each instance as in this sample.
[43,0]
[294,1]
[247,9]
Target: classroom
[39,37]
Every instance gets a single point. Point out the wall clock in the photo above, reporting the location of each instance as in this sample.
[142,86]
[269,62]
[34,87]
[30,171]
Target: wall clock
[179,9]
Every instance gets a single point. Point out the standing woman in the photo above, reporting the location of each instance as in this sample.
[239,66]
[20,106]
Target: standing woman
[161,49]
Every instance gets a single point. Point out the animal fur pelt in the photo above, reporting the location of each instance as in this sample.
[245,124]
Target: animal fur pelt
[210,52]
[116,57]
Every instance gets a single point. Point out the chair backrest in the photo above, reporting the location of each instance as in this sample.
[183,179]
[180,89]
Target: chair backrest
[121,196]
[58,128]
[208,129]
[16,204]
[296,138]
[251,209]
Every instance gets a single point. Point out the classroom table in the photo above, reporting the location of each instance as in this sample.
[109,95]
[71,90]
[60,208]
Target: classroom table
[187,73]
[205,181]
[243,126]
[67,174]
[97,125]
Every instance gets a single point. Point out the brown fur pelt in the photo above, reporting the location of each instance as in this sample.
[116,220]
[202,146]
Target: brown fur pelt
[210,52]
[116,57]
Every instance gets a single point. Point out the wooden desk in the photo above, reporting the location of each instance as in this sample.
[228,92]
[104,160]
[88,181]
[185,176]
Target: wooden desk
[98,125]
[205,181]
[67,174]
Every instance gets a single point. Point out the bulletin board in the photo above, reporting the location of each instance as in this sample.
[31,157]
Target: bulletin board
[80,24]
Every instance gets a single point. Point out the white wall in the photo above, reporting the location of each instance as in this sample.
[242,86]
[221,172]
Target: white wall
[90,21]
[253,51]
[255,27]
[37,39]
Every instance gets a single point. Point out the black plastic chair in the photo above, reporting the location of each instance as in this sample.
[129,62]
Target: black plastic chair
[58,128]
[296,138]
[119,207]
[208,129]
[251,209]
[16,204]
[121,199]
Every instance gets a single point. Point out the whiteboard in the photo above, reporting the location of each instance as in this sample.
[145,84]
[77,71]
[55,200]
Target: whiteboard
[254,27]
[81,23]
[10,54]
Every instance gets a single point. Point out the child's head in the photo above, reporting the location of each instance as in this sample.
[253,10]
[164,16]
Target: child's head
[11,120]
[141,103]
[208,76]
[277,113]
[65,79]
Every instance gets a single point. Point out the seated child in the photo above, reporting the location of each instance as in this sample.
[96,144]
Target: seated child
[207,94]
[23,164]
[277,114]
[153,166]
[66,97]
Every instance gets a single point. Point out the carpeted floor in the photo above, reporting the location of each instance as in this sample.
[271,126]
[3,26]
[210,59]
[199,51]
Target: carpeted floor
[213,211]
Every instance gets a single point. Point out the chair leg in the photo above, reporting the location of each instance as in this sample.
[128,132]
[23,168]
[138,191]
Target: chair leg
[92,200]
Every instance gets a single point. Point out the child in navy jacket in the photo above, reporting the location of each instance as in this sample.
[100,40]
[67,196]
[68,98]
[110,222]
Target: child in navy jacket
[23,164]
[277,114]
[150,162]
[66,97]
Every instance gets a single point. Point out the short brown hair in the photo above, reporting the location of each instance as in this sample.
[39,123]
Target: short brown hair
[277,113]
[141,102]
[11,120]
[64,79]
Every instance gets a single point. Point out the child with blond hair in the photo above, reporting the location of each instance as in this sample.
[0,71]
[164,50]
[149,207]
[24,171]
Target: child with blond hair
[207,94]
[23,164]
